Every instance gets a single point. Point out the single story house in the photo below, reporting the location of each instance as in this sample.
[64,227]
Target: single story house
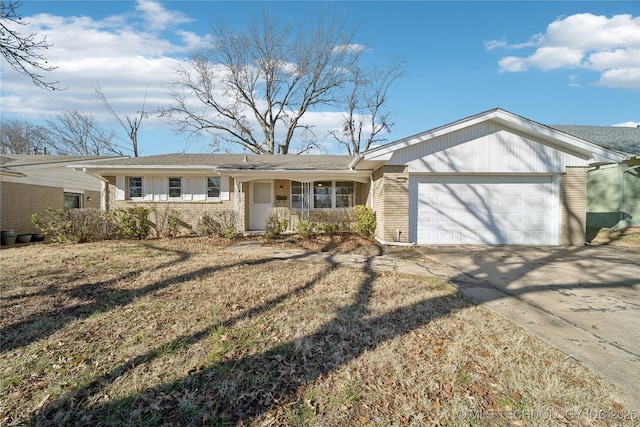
[33,183]
[492,178]
[613,190]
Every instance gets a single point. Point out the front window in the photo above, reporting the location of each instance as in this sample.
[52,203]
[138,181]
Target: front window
[175,187]
[326,194]
[322,194]
[213,187]
[296,195]
[135,187]
[344,194]
[72,201]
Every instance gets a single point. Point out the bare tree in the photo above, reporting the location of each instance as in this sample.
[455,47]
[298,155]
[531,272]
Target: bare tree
[21,51]
[252,87]
[365,118]
[77,133]
[130,124]
[19,137]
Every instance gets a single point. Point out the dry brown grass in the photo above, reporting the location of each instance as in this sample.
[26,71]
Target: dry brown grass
[628,237]
[180,332]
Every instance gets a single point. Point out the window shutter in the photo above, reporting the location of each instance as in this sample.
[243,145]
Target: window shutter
[162,187]
[147,188]
[188,186]
[224,188]
[200,188]
[120,183]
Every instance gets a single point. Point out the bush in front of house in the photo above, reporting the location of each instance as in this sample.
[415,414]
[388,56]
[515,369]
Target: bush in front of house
[72,225]
[167,222]
[276,224]
[365,221]
[133,222]
[219,224]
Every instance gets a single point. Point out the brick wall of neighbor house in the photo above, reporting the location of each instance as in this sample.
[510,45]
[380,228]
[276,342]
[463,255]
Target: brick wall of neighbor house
[20,201]
[391,202]
[573,205]
[189,212]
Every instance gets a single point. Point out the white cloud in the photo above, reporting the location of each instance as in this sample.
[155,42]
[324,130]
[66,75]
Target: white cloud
[353,47]
[609,46]
[159,18]
[117,52]
[628,125]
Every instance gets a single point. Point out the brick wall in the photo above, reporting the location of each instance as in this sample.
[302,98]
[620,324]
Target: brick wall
[189,212]
[391,203]
[20,201]
[573,205]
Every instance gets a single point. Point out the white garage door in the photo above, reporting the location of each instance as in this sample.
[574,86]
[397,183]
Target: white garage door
[521,210]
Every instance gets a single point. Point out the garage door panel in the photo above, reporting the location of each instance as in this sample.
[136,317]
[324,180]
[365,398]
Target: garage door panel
[516,211]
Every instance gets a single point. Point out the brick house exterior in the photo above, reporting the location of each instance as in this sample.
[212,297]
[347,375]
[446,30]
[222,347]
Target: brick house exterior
[32,183]
[493,178]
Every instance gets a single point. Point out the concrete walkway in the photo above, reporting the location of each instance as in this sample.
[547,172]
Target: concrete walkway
[584,301]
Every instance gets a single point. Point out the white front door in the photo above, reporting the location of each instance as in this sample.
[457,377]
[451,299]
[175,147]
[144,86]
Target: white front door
[261,204]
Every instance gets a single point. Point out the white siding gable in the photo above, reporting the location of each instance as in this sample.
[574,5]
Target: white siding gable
[485,148]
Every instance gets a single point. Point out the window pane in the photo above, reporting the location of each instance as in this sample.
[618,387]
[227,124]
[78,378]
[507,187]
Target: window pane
[213,187]
[175,187]
[135,187]
[344,194]
[296,195]
[322,192]
[71,201]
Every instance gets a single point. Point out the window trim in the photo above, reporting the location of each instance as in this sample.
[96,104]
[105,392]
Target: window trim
[219,197]
[169,187]
[129,188]
[79,196]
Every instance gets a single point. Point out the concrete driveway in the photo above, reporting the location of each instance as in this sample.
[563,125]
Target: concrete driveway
[583,300]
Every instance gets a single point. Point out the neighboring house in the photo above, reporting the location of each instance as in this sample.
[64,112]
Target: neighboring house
[613,191]
[33,183]
[493,178]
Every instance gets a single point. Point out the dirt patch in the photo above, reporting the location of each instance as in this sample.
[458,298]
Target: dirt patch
[333,243]
[182,332]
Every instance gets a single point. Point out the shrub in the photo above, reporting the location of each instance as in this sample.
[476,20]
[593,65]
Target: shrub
[133,223]
[306,228]
[221,224]
[72,225]
[332,221]
[365,221]
[276,225]
[167,222]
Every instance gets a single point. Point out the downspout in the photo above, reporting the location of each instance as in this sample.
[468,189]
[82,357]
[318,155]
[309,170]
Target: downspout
[384,242]
[372,189]
[621,218]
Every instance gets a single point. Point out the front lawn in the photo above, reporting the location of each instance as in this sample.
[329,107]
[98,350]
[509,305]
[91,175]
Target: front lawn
[181,332]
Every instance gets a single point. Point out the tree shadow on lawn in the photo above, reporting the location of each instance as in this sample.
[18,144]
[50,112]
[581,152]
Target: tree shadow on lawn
[232,392]
[97,297]
[240,390]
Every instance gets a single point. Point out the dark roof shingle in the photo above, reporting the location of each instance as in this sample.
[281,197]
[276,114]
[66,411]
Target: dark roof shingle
[238,161]
[624,139]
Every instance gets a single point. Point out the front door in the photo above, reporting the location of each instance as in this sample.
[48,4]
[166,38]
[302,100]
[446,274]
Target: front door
[261,204]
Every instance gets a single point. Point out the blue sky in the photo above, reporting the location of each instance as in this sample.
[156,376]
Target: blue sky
[552,62]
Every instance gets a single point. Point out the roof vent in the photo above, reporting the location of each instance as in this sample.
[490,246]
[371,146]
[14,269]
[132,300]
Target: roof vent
[245,160]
